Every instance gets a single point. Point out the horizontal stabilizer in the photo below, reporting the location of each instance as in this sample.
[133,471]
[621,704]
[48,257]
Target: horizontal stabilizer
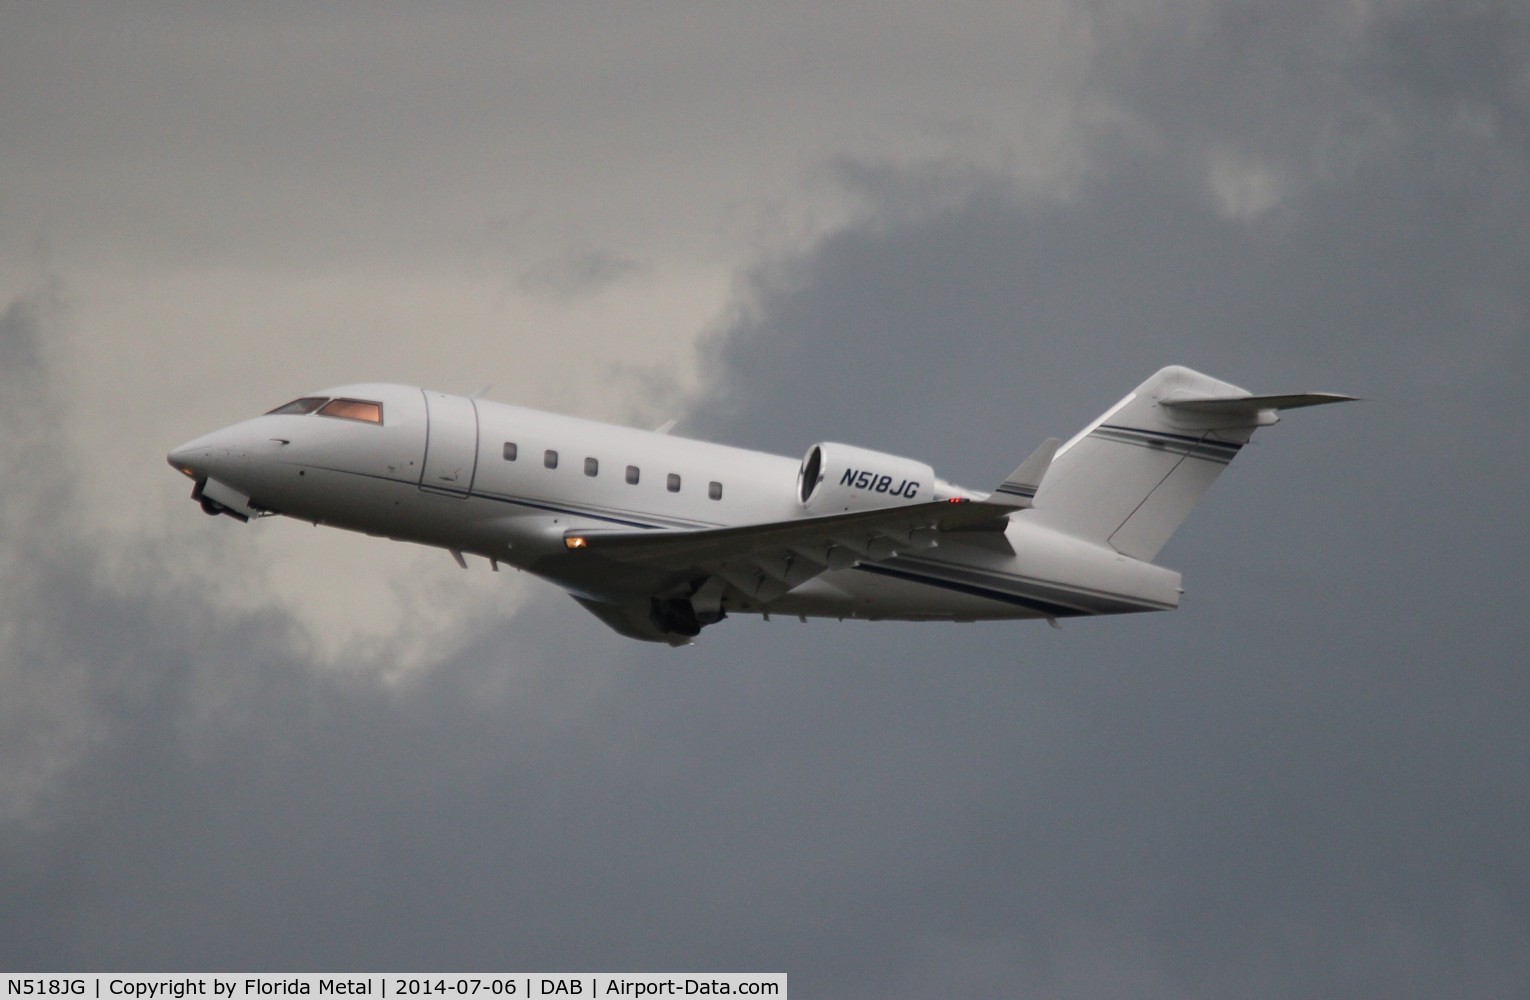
[1248,405]
[1019,488]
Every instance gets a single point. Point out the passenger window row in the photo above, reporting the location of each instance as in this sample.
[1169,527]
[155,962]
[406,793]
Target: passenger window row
[592,468]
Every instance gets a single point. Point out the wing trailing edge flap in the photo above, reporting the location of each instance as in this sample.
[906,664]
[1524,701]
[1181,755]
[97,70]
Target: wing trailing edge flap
[767,560]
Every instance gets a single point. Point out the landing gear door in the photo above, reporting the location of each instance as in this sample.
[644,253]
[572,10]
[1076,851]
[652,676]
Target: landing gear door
[451,444]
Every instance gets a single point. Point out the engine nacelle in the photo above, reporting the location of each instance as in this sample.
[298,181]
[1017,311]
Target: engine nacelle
[835,478]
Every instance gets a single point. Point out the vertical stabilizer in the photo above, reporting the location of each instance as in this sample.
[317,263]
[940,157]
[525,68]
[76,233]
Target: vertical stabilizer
[1129,479]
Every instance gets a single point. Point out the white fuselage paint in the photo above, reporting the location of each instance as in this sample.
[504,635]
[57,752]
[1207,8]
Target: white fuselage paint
[435,472]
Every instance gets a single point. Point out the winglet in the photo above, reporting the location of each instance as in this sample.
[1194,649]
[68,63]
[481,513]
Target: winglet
[1019,488]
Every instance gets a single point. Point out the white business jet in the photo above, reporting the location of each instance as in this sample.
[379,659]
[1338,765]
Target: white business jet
[659,536]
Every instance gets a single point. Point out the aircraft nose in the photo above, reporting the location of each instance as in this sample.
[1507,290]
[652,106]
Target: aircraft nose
[203,456]
[185,459]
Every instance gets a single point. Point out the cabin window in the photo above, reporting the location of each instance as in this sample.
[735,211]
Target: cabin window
[632,474]
[353,409]
[510,451]
[672,483]
[714,490]
[591,467]
[550,458]
[298,406]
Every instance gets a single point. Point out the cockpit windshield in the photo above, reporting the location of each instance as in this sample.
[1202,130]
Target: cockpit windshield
[353,409]
[363,410]
[305,405]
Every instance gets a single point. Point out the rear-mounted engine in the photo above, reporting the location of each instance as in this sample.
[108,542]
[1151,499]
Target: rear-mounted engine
[835,478]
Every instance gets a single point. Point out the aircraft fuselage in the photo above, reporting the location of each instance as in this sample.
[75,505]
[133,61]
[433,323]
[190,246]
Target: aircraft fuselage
[511,485]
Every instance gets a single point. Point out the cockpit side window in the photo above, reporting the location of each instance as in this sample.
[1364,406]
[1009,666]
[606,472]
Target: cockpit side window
[353,409]
[305,405]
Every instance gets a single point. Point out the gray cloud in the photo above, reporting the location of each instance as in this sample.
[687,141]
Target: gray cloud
[1310,780]
[581,273]
[1298,782]
[1470,64]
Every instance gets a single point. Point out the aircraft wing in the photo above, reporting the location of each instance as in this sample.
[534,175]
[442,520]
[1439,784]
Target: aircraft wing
[768,559]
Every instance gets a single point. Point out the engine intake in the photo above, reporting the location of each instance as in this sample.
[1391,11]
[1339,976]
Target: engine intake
[835,478]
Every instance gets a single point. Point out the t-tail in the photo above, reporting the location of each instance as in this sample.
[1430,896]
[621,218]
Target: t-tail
[1129,479]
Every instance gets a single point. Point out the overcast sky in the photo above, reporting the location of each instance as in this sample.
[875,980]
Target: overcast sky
[943,232]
